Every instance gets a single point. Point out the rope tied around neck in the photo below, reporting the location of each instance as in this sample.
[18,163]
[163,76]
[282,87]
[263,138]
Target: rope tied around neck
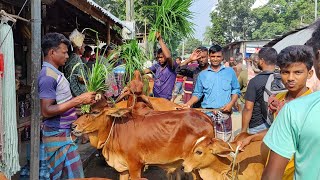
[233,155]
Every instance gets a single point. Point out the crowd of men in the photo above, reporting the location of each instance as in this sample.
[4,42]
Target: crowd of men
[217,85]
[211,84]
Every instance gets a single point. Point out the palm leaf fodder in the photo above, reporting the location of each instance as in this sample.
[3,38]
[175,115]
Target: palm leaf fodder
[94,78]
[134,57]
[172,19]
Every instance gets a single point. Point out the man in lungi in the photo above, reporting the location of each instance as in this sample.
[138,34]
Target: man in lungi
[57,108]
[220,87]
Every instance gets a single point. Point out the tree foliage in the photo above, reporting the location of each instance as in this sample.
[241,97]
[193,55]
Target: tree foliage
[142,13]
[235,20]
[190,45]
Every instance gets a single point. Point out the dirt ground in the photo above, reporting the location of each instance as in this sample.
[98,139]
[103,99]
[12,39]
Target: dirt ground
[97,167]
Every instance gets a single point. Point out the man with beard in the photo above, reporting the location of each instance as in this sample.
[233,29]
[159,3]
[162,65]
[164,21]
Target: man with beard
[164,71]
[220,87]
[192,72]
[254,114]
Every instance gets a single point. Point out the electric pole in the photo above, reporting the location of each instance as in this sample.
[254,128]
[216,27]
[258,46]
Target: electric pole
[315,10]
[182,50]
[129,10]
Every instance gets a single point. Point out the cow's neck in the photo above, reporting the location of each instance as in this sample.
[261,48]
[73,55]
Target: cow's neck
[93,137]
[104,132]
[222,164]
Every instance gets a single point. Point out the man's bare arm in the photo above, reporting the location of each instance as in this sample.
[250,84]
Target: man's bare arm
[246,115]
[275,167]
[193,100]
[49,109]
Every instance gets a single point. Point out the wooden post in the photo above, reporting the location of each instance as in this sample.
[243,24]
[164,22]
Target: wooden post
[35,105]
[108,33]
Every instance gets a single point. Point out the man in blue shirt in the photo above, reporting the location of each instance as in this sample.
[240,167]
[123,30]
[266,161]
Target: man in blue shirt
[220,87]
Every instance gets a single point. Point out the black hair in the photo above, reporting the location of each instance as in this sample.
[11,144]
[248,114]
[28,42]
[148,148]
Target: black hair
[296,53]
[269,55]
[52,41]
[314,41]
[179,58]
[215,48]
[87,48]
[105,49]
[95,49]
[159,51]
[202,48]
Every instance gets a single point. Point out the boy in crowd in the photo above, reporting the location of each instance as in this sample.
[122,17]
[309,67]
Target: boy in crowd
[295,63]
[296,131]
[179,81]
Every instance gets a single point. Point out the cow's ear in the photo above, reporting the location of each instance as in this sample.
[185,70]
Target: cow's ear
[220,148]
[119,112]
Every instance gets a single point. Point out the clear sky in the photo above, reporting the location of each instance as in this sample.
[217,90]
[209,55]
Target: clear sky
[202,10]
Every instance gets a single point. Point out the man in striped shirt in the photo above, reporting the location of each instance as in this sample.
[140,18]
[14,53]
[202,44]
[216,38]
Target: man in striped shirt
[57,108]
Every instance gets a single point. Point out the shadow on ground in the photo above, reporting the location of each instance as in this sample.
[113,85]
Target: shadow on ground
[97,167]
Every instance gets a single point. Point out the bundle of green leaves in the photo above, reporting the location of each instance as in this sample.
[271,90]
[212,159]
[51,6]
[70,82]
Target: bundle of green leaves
[134,57]
[95,78]
[172,20]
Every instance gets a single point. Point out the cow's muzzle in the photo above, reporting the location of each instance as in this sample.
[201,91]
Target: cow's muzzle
[74,130]
[185,168]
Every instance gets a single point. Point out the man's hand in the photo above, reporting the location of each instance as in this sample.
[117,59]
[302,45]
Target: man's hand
[158,35]
[274,104]
[227,108]
[195,55]
[80,79]
[185,106]
[87,98]
[246,141]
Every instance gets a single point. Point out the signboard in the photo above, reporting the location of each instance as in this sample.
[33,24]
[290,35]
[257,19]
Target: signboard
[252,50]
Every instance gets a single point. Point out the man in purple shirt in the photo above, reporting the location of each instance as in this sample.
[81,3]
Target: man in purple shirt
[164,72]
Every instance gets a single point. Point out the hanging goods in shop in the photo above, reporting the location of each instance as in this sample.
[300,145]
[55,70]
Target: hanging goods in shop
[1,118]
[10,159]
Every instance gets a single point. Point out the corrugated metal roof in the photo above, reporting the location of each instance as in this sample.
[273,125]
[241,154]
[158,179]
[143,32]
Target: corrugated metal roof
[109,14]
[297,38]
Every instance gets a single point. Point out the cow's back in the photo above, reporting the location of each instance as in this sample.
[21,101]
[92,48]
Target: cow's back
[158,104]
[160,137]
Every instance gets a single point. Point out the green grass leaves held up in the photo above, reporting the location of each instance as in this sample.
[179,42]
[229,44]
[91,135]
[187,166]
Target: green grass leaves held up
[134,58]
[172,19]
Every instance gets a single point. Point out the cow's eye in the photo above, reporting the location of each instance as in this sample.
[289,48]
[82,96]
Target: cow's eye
[199,152]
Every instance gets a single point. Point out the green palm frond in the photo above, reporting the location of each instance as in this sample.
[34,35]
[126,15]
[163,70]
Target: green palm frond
[172,19]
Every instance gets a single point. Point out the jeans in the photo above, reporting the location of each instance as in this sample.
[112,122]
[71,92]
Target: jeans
[177,89]
[259,128]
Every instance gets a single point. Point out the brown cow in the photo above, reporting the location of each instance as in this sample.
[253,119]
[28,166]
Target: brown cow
[2,176]
[158,104]
[91,179]
[155,138]
[212,158]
